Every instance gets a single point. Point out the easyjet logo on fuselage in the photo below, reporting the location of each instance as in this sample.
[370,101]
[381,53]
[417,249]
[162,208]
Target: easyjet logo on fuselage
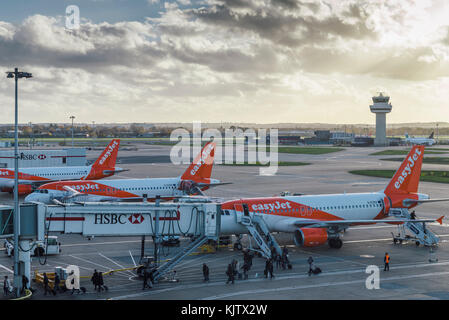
[408,169]
[108,152]
[271,206]
[204,155]
[86,187]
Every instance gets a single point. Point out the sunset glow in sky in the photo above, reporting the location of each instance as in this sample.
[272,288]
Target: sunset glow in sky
[226,60]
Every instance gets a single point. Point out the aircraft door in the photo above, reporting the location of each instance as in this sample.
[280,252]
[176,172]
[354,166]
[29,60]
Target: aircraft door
[238,209]
[245,210]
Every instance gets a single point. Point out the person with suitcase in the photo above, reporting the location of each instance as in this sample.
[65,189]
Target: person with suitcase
[310,262]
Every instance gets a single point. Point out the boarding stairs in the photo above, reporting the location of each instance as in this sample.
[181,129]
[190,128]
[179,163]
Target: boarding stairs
[261,234]
[166,267]
[421,234]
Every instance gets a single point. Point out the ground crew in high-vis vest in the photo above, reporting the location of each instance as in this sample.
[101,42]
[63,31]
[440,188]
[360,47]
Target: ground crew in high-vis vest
[387,262]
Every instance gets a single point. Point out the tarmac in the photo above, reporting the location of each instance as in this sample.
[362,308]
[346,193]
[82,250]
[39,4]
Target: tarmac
[344,276]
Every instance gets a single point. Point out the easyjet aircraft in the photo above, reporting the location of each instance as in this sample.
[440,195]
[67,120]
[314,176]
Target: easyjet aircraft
[194,180]
[30,178]
[317,219]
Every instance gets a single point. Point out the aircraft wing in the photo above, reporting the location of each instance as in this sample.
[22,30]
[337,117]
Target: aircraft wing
[135,199]
[114,171]
[199,184]
[73,193]
[310,223]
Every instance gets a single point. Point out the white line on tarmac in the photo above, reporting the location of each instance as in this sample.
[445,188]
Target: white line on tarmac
[132,258]
[327,284]
[115,263]
[385,239]
[107,268]
[7,269]
[296,276]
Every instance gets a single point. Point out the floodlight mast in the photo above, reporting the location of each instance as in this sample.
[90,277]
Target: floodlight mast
[17,279]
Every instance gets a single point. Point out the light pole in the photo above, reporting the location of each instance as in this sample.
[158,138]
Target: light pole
[17,279]
[31,135]
[72,117]
[93,133]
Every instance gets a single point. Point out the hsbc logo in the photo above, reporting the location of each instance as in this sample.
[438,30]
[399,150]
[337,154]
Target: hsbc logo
[136,218]
[24,156]
[113,218]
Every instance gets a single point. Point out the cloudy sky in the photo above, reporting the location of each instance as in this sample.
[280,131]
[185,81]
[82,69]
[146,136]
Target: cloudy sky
[263,61]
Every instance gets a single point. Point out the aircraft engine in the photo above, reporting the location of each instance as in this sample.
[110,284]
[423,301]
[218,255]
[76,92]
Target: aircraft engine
[310,237]
[188,187]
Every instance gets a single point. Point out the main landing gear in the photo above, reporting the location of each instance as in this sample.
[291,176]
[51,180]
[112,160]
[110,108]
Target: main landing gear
[335,243]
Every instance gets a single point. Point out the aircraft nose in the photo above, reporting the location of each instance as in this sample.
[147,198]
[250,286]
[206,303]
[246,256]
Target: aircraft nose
[33,197]
[30,197]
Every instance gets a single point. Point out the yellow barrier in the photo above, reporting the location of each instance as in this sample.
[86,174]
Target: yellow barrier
[27,295]
[39,277]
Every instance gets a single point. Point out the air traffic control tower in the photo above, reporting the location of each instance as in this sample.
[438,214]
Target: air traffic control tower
[381,107]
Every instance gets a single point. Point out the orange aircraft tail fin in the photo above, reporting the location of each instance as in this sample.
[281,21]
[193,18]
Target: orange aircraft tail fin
[201,167]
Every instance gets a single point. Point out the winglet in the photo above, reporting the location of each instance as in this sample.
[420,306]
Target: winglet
[440,220]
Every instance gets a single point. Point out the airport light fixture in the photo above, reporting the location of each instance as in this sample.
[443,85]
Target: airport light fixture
[72,117]
[16,74]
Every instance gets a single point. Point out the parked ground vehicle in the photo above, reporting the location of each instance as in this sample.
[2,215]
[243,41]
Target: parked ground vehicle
[39,247]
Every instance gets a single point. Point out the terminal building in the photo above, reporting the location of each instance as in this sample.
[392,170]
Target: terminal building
[44,158]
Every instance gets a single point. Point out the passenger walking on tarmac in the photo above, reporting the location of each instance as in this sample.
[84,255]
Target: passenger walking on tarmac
[230,274]
[46,288]
[245,271]
[94,279]
[310,261]
[284,258]
[24,284]
[151,278]
[146,276]
[248,259]
[278,261]
[270,268]
[6,286]
[205,272]
[387,262]
[237,268]
[265,271]
[9,247]
[57,282]
[100,281]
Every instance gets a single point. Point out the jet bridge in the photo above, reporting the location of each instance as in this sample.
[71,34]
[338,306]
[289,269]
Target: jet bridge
[200,220]
[133,219]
